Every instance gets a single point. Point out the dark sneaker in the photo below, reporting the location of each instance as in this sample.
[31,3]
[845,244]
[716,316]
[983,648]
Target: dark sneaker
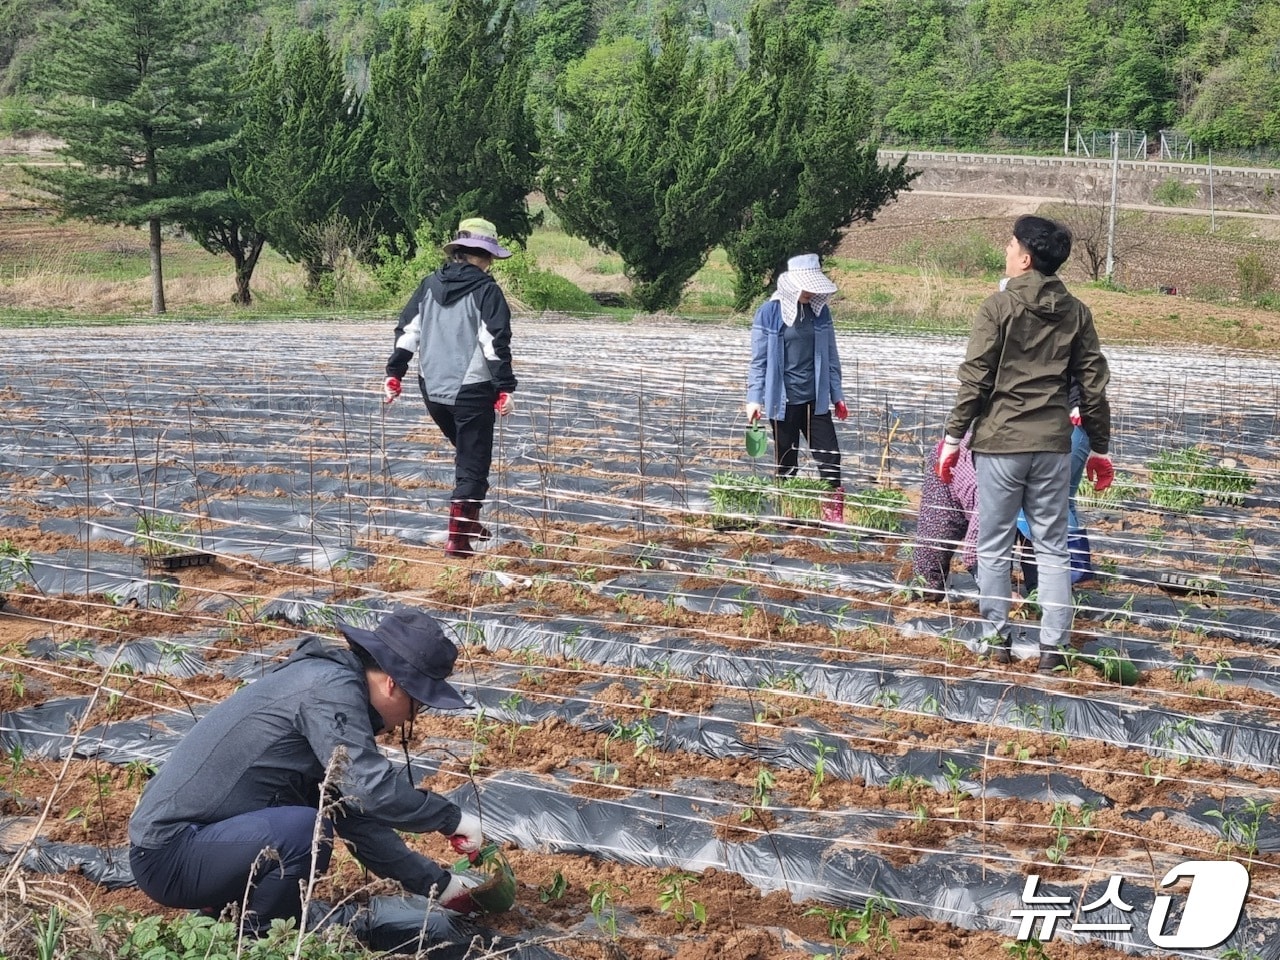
[1051,660]
[1001,651]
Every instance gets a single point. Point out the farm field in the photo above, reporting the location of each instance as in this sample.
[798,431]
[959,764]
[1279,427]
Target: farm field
[676,703]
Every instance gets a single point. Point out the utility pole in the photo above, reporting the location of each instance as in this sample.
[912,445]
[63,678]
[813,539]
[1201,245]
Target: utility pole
[1213,224]
[1115,189]
[1066,134]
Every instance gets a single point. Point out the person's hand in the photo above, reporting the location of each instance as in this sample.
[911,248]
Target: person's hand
[390,389]
[467,838]
[1099,470]
[457,895]
[948,457]
[755,411]
[1076,419]
[842,412]
[504,404]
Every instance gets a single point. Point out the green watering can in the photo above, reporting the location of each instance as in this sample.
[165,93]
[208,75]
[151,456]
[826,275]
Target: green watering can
[757,439]
[1113,665]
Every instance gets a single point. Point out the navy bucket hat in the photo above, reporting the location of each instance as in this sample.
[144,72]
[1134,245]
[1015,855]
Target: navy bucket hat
[413,650]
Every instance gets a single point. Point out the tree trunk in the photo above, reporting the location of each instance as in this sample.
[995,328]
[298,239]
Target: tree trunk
[157,271]
[246,256]
[157,268]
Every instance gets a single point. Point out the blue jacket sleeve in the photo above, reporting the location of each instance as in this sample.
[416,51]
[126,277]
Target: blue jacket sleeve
[759,358]
[837,375]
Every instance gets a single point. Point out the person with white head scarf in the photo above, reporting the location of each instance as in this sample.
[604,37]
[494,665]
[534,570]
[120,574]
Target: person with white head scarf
[794,376]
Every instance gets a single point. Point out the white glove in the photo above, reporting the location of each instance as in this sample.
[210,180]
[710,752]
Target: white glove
[467,838]
[457,895]
[755,411]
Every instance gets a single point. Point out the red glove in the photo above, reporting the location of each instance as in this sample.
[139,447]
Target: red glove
[948,457]
[390,389]
[842,412]
[1099,470]
[504,404]
[467,837]
[1076,419]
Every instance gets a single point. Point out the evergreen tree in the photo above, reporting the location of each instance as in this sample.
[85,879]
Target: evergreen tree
[453,137]
[822,172]
[301,167]
[135,82]
[662,176]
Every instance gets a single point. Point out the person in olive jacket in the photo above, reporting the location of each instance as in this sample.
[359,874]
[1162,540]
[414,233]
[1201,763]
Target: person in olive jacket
[239,798]
[1029,340]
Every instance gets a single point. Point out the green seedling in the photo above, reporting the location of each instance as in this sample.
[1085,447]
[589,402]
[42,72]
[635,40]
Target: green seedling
[603,896]
[821,752]
[555,889]
[673,898]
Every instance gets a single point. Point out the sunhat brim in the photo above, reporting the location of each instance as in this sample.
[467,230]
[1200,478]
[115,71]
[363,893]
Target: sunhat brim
[417,683]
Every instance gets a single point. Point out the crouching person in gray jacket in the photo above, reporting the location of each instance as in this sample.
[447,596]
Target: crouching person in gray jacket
[238,800]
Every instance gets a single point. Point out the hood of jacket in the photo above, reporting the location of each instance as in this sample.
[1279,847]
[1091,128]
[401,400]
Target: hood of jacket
[1046,297]
[455,280]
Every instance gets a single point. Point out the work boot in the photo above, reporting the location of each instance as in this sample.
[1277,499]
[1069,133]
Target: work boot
[832,505]
[1051,660]
[1081,561]
[459,542]
[475,528]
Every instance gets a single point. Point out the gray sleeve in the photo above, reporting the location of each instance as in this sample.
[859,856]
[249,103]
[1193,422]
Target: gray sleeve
[384,853]
[336,715]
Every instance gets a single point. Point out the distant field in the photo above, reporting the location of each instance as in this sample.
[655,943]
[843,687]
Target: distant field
[923,265]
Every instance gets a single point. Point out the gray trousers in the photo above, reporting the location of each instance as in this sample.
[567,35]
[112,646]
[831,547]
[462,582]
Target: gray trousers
[1038,484]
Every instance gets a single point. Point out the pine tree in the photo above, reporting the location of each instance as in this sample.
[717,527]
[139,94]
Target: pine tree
[823,172]
[301,165]
[452,135]
[662,175]
[135,81]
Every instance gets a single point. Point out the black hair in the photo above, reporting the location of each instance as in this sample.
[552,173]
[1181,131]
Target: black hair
[459,254]
[1048,242]
[364,656]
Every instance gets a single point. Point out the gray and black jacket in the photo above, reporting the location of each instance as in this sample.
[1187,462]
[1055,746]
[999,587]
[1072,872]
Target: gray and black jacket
[267,745]
[458,323]
[1028,342]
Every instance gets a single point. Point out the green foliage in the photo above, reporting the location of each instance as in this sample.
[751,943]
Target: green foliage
[1255,276]
[735,494]
[1173,193]
[133,84]
[197,937]
[452,137]
[822,173]
[1182,480]
[877,509]
[540,289]
[14,565]
[867,927]
[801,497]
[674,898]
[660,170]
[301,167]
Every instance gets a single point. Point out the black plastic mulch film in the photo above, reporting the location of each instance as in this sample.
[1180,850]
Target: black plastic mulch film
[312,517]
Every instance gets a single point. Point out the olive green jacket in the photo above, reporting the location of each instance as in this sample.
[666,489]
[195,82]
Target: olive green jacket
[1028,341]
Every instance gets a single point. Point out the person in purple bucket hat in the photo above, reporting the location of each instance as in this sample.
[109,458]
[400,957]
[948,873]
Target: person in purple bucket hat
[459,324]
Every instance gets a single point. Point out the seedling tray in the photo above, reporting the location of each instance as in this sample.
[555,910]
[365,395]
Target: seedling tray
[179,561]
[1182,585]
